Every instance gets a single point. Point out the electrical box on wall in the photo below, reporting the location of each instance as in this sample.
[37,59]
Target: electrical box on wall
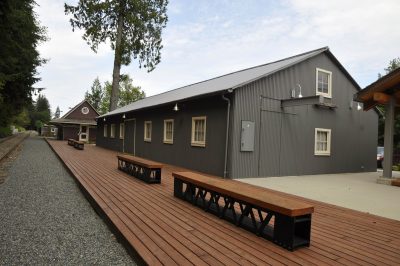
[247,136]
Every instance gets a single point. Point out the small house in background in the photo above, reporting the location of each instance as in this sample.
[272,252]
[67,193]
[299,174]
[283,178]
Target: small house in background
[49,131]
[79,123]
[295,116]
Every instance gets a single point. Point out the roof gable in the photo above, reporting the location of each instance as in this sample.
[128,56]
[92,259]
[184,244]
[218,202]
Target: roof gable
[77,112]
[221,83]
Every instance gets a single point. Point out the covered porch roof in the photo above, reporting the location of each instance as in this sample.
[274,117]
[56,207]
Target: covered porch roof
[385,91]
[380,91]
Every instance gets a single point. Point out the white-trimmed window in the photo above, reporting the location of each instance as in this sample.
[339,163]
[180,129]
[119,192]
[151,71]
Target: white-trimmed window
[105,128]
[199,131]
[121,130]
[112,132]
[147,131]
[169,131]
[324,83]
[322,142]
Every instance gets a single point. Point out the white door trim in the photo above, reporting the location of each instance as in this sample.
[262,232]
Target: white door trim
[84,133]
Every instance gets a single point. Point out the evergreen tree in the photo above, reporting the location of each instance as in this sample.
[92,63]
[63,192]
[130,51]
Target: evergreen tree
[94,97]
[133,28]
[20,34]
[57,114]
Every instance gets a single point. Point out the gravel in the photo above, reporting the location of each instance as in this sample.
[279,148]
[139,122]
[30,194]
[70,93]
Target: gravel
[45,219]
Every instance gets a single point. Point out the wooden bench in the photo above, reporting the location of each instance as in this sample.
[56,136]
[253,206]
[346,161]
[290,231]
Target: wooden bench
[77,144]
[284,221]
[143,169]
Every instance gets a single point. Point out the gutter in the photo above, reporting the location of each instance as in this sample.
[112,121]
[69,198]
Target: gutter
[227,132]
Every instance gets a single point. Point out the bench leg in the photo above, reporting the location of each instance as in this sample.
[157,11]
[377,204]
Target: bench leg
[292,232]
[178,188]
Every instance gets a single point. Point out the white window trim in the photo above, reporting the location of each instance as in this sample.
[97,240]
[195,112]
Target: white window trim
[329,94]
[168,141]
[105,129]
[122,132]
[199,143]
[328,146]
[145,130]
[112,132]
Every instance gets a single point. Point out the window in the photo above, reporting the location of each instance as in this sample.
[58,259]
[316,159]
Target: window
[85,110]
[105,131]
[322,141]
[324,83]
[199,131]
[169,131]
[121,130]
[147,131]
[112,133]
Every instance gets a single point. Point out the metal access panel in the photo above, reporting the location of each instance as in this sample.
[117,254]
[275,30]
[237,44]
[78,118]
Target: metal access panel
[247,136]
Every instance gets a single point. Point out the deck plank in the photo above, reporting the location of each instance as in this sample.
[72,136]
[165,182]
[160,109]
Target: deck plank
[165,230]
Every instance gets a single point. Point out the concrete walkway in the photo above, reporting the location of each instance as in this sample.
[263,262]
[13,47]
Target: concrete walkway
[357,191]
[46,220]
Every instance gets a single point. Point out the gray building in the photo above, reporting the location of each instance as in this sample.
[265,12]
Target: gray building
[295,116]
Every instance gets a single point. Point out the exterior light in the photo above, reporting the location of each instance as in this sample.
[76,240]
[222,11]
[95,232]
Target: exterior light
[300,95]
[104,119]
[176,108]
[123,116]
[359,107]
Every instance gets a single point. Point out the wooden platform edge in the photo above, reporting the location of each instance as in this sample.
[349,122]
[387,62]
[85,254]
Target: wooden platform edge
[120,237]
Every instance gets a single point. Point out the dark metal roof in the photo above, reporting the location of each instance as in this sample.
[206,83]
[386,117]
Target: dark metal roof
[58,121]
[218,84]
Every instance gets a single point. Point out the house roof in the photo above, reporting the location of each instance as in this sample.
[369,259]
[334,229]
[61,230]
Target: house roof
[225,82]
[76,106]
[90,122]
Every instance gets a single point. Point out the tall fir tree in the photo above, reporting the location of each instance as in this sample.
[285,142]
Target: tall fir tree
[133,27]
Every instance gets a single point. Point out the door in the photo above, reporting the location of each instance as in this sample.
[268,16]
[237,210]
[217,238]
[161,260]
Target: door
[130,136]
[84,133]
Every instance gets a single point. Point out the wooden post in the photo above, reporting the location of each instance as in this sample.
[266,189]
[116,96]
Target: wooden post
[388,138]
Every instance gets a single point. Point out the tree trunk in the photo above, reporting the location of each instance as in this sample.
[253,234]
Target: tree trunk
[117,66]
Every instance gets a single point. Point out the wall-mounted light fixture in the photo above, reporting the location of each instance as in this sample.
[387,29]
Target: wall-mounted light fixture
[123,116]
[300,95]
[176,108]
[359,107]
[104,119]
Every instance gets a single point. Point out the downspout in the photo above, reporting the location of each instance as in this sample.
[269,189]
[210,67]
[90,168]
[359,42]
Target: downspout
[227,133]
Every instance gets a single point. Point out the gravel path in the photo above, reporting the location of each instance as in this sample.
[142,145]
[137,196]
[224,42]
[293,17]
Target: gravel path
[45,219]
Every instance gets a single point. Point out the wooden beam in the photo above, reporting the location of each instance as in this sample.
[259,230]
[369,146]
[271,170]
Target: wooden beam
[381,97]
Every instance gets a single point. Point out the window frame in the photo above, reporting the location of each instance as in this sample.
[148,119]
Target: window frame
[193,141]
[328,140]
[145,130]
[165,140]
[105,131]
[329,94]
[121,132]
[112,131]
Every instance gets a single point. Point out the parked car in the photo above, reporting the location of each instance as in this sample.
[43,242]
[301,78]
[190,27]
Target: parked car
[380,156]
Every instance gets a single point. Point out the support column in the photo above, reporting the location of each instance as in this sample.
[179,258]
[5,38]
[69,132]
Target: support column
[388,138]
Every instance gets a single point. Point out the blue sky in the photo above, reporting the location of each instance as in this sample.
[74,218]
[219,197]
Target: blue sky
[204,39]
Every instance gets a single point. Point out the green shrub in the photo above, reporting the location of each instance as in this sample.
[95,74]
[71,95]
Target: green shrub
[5,131]
[396,167]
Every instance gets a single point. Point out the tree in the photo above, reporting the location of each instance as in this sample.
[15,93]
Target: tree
[393,65]
[133,28]
[40,112]
[94,97]
[57,114]
[20,35]
[129,93]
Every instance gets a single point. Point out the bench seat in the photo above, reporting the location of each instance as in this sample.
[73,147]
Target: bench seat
[284,221]
[146,170]
[77,144]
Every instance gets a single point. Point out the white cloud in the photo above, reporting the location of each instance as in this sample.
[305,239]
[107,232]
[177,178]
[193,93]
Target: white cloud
[205,39]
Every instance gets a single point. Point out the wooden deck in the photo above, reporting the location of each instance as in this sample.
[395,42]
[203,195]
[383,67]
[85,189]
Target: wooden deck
[165,230]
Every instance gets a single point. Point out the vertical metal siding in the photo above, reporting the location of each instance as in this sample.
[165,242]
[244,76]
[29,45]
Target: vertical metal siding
[354,133]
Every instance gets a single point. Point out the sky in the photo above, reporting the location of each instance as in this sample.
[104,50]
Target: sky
[207,38]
